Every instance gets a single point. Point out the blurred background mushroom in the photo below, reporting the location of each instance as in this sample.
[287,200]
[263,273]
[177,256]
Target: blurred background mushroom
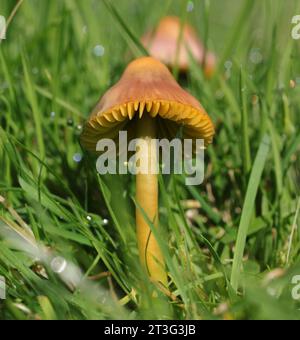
[174,42]
[148,103]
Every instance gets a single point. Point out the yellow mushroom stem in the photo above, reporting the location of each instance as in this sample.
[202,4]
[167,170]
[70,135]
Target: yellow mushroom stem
[147,201]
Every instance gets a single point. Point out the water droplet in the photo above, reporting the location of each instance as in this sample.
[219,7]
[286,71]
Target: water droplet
[89,218]
[255,56]
[52,115]
[70,122]
[77,157]
[99,51]
[190,6]
[79,127]
[58,265]
[105,221]
[228,64]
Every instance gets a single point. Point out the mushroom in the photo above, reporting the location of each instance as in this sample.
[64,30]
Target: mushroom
[162,44]
[147,103]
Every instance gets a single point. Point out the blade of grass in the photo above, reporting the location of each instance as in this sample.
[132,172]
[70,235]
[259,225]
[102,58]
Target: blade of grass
[245,133]
[294,228]
[236,33]
[64,104]
[136,45]
[106,192]
[47,308]
[277,158]
[32,99]
[247,211]
[213,215]
[11,16]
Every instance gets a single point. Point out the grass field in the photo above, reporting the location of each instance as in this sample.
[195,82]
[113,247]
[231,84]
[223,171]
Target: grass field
[67,235]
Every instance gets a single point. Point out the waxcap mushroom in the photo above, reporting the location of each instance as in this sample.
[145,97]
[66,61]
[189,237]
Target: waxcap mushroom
[162,43]
[147,101]
[147,88]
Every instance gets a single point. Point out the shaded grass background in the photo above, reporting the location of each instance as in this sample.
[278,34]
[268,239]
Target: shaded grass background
[227,242]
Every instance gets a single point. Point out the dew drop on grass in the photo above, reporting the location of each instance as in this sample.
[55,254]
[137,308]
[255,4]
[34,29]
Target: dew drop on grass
[190,6]
[99,51]
[58,265]
[78,129]
[228,64]
[105,221]
[255,56]
[89,218]
[70,122]
[52,115]
[77,157]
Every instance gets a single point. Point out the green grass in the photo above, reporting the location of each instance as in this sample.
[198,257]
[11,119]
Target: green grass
[232,245]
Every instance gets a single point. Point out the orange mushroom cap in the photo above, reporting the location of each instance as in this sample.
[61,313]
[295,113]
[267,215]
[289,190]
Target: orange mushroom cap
[147,87]
[162,44]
